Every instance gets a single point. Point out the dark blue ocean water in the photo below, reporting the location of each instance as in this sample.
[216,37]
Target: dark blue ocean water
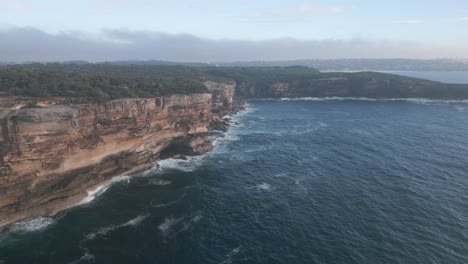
[308,181]
[438,76]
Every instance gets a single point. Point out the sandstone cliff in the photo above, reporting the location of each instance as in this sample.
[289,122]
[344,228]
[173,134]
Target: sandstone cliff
[50,156]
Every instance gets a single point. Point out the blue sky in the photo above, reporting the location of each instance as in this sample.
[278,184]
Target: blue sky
[423,20]
[428,22]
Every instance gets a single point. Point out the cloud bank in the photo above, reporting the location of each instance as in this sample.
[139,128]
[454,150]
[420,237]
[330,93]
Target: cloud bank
[26,44]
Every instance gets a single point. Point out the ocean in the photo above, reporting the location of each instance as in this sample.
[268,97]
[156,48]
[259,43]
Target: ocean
[460,77]
[294,181]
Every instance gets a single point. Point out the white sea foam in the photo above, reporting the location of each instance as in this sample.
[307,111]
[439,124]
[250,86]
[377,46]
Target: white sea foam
[171,226]
[220,143]
[186,224]
[231,254]
[197,218]
[30,225]
[159,182]
[321,124]
[168,204]
[103,231]
[361,132]
[280,175]
[85,257]
[189,164]
[264,186]
[248,109]
[168,223]
[460,108]
[92,194]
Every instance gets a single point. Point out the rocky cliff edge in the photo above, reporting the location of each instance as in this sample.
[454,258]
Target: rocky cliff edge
[50,156]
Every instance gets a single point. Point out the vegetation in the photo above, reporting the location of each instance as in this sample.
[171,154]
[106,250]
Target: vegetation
[103,82]
[97,83]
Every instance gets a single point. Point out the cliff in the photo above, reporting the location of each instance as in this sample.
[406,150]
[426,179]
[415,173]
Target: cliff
[362,84]
[50,156]
[53,149]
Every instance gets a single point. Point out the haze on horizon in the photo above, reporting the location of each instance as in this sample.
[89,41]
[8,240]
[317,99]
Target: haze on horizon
[238,30]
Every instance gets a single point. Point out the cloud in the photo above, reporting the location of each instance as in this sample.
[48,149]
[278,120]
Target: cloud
[26,44]
[408,22]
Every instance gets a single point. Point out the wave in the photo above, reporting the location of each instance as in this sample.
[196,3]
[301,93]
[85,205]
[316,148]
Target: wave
[187,224]
[165,204]
[231,254]
[103,231]
[159,182]
[220,143]
[264,186]
[31,225]
[92,194]
[187,165]
[96,192]
[168,223]
[460,108]
[85,257]
[248,109]
[361,132]
[168,226]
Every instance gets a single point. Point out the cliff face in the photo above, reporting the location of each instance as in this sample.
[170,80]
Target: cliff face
[363,84]
[50,156]
[223,94]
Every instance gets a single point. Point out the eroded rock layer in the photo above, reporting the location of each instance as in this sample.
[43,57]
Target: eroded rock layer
[50,156]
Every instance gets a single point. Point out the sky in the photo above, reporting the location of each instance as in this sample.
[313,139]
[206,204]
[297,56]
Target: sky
[226,30]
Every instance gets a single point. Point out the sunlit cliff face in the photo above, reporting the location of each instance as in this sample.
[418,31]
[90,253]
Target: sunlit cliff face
[51,155]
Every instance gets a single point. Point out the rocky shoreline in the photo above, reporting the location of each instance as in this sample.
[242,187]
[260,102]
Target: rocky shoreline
[52,156]
[54,150]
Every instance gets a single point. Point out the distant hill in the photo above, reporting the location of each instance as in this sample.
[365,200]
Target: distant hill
[365,64]
[322,65]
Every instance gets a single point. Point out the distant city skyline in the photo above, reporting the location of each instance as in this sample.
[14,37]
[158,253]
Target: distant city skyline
[232,30]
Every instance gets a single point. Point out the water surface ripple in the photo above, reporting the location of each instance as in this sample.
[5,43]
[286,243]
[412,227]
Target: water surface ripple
[318,181]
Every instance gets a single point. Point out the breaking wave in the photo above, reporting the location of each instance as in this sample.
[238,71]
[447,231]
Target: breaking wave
[187,165]
[159,182]
[230,255]
[96,192]
[31,225]
[173,226]
[167,224]
[103,231]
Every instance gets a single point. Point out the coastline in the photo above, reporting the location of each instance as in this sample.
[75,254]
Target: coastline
[57,154]
[95,187]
